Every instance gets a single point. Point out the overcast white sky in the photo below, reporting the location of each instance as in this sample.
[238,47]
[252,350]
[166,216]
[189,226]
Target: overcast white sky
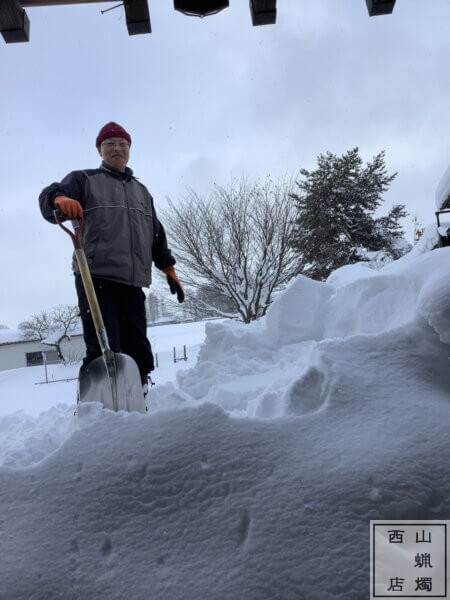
[208,99]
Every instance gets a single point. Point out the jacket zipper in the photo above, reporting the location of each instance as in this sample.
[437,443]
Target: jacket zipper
[130,236]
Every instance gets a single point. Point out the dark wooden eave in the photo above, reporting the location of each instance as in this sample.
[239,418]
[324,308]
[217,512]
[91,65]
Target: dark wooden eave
[137,16]
[34,3]
[264,12]
[14,23]
[380,7]
[136,11]
[15,26]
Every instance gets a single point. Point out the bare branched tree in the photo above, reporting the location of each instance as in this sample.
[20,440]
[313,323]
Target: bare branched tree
[64,321]
[236,241]
[205,302]
[73,356]
[37,327]
[52,328]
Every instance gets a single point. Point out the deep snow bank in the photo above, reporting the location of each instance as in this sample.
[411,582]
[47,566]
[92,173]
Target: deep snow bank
[195,504]
[257,369]
[350,382]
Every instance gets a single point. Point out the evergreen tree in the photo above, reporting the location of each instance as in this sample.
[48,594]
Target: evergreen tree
[391,232]
[335,222]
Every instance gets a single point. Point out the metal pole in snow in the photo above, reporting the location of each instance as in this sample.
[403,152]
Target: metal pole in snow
[44,358]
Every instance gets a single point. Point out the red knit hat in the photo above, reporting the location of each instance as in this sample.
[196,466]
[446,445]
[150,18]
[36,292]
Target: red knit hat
[111,130]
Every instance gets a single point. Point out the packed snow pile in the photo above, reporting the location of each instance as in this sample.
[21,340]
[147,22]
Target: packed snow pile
[280,366]
[256,473]
[443,191]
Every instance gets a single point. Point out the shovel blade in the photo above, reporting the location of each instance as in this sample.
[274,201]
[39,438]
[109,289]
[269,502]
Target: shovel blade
[95,384]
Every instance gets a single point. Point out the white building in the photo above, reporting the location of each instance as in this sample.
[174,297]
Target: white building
[17,352]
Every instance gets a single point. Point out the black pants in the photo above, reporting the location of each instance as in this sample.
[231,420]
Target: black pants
[123,310]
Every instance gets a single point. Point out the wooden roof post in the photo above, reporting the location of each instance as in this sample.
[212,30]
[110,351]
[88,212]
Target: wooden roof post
[138,16]
[380,7]
[14,23]
[264,12]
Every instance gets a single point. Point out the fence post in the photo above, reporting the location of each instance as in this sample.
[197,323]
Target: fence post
[184,357]
[44,358]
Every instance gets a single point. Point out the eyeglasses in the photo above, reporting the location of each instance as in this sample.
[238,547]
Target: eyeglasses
[121,145]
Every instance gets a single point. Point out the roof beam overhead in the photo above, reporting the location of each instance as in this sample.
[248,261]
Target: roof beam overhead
[137,16]
[380,7]
[15,26]
[14,23]
[136,11]
[264,12]
[31,3]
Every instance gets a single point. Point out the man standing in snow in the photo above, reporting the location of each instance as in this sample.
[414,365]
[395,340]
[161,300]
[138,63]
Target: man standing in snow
[121,237]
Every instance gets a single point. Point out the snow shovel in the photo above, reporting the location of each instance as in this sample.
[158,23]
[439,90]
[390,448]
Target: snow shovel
[113,378]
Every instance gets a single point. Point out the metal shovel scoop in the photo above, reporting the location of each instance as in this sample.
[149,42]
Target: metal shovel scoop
[113,378]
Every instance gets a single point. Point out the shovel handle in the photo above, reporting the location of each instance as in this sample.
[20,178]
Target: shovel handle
[86,278]
[76,224]
[92,299]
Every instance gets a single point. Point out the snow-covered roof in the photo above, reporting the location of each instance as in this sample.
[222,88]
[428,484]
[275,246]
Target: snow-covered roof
[54,335]
[15,336]
[12,336]
[443,191]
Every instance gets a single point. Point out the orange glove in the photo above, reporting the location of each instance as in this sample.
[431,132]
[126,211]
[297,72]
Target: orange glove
[71,208]
[174,283]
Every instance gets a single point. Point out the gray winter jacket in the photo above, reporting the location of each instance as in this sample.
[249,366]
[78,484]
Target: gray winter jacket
[122,234]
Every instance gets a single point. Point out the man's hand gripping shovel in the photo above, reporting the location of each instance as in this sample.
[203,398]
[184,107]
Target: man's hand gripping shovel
[112,379]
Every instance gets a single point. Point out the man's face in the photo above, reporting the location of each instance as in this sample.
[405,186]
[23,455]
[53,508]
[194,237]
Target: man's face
[115,152]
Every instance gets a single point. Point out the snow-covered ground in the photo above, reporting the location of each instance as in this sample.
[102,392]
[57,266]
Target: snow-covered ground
[258,468]
[24,389]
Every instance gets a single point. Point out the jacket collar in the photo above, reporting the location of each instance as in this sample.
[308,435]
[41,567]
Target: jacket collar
[127,175]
